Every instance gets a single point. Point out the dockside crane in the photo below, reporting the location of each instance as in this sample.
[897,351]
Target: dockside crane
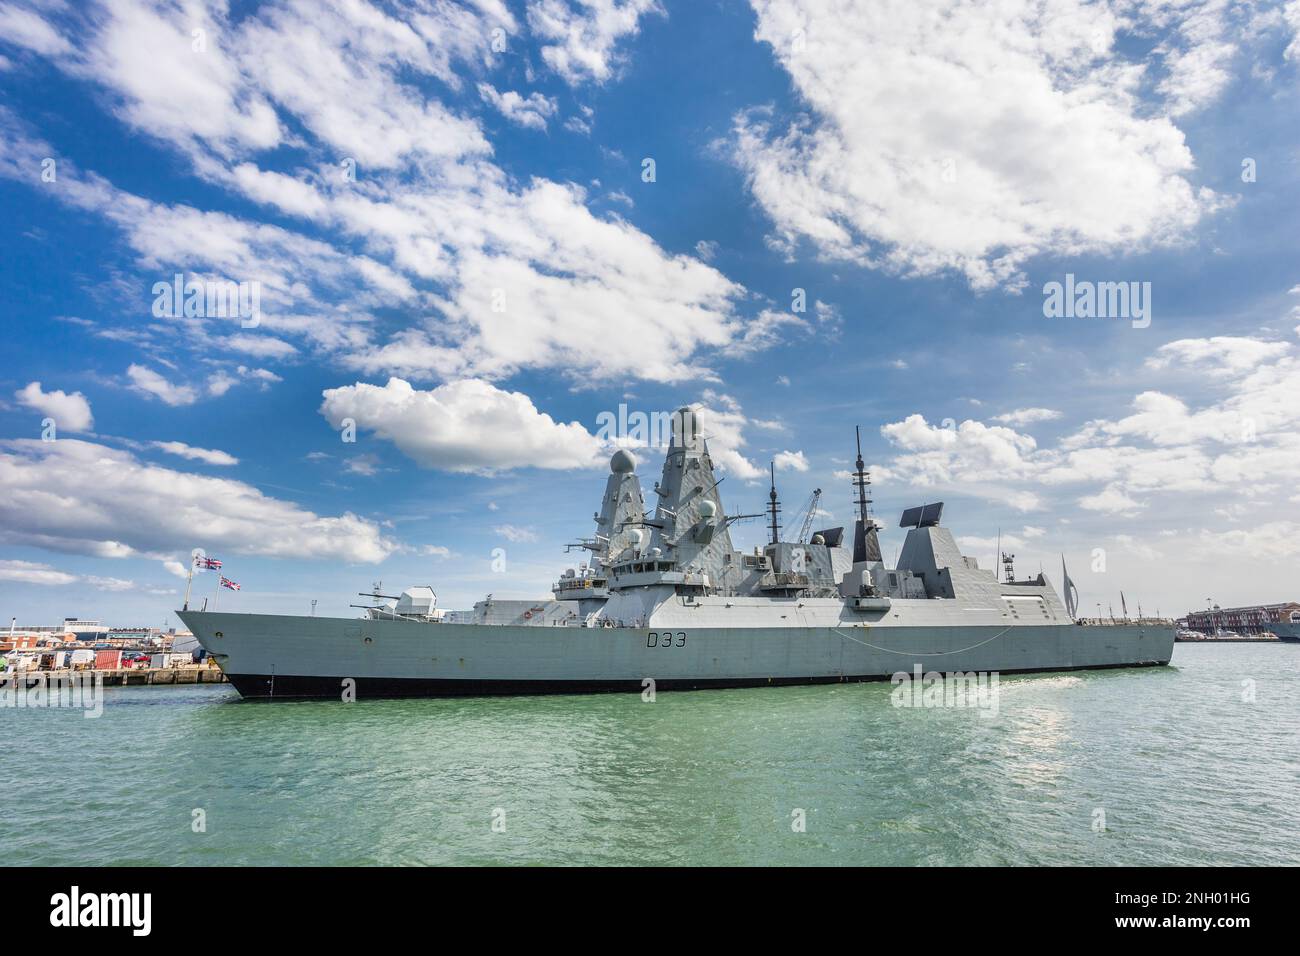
[809,512]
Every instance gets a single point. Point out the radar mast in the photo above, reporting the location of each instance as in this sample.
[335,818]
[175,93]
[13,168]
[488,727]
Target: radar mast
[773,507]
[866,543]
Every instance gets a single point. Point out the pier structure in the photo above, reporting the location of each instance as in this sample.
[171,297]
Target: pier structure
[127,676]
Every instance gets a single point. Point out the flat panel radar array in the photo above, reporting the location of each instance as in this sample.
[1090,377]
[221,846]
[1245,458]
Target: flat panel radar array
[922,516]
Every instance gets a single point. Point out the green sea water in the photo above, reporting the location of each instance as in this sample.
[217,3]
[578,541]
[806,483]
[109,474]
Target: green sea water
[1175,765]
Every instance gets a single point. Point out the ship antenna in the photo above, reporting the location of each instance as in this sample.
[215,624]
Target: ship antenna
[773,507]
[862,481]
[866,546]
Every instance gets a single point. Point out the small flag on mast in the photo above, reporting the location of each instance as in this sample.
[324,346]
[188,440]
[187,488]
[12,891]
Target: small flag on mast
[211,564]
[227,583]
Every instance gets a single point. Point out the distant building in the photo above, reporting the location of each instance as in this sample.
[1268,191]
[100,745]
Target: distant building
[150,635]
[72,629]
[1276,618]
[21,640]
[75,630]
[84,630]
[18,637]
[58,629]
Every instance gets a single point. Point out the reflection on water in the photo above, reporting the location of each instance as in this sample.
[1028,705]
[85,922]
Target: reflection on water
[1183,768]
[1034,746]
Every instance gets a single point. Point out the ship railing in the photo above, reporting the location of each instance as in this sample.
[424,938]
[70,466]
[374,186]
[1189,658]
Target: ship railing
[578,584]
[1124,621]
[784,579]
[388,614]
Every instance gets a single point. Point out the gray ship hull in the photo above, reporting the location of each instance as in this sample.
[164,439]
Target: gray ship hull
[274,656]
[1288,631]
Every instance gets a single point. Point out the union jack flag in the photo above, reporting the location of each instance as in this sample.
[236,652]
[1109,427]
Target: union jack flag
[212,564]
[227,583]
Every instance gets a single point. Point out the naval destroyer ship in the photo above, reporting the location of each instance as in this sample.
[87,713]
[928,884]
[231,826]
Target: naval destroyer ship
[665,600]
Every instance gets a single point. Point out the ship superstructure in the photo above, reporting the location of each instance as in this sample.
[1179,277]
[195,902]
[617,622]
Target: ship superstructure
[666,598]
[620,524]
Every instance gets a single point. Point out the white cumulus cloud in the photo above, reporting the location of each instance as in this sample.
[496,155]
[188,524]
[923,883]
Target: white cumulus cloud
[149,382]
[943,135]
[790,461]
[85,498]
[464,426]
[579,37]
[530,111]
[34,572]
[1242,444]
[69,411]
[210,456]
[1220,354]
[1027,416]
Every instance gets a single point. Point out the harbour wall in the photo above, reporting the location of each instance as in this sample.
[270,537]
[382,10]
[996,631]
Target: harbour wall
[131,676]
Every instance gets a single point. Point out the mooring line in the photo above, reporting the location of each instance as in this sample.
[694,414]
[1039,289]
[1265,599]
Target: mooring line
[890,650]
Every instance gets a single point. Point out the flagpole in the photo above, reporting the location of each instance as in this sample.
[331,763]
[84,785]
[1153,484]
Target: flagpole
[189,579]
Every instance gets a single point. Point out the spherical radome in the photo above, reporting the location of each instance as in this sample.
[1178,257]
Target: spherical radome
[623,462]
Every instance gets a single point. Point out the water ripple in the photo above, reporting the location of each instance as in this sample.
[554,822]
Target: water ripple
[1182,769]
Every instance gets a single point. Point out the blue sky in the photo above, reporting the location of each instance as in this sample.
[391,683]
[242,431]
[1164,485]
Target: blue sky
[499,272]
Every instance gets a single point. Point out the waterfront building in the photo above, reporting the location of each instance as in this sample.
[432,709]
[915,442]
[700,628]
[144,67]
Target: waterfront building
[1280,619]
